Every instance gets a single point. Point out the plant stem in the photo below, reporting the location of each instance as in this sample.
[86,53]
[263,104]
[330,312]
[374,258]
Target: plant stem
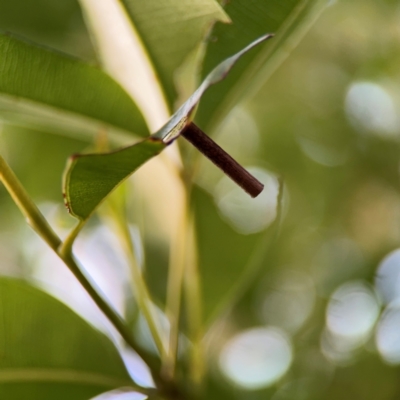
[66,247]
[37,221]
[194,310]
[176,272]
[142,294]
[33,216]
[111,314]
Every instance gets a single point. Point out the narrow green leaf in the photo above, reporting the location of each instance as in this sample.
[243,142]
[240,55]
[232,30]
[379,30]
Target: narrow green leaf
[49,84]
[48,352]
[223,253]
[89,178]
[288,19]
[170,30]
[224,263]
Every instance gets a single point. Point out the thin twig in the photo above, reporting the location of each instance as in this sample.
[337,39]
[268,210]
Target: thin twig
[222,160]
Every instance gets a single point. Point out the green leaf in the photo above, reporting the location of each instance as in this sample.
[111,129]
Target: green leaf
[288,19]
[89,178]
[48,352]
[223,254]
[170,30]
[50,88]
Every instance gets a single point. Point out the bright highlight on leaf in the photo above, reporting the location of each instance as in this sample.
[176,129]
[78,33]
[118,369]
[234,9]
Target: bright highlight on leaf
[89,178]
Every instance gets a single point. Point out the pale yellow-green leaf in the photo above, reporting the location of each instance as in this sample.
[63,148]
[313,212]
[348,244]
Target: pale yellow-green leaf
[170,30]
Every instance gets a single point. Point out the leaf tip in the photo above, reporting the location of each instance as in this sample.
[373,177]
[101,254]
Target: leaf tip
[264,37]
[268,35]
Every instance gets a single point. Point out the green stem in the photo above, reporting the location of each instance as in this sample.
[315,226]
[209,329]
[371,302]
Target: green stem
[28,208]
[174,289]
[66,247]
[142,294]
[194,310]
[37,221]
[111,314]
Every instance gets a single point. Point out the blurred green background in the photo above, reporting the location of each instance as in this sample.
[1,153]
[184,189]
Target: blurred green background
[325,304]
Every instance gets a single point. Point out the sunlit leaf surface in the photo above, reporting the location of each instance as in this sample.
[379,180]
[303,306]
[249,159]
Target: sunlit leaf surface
[48,352]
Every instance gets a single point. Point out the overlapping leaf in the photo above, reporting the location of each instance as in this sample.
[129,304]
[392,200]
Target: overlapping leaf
[90,178]
[48,352]
[170,30]
[288,19]
[48,87]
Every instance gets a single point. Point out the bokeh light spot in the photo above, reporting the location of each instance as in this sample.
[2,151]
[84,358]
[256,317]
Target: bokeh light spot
[370,108]
[387,281]
[256,358]
[245,214]
[352,311]
[388,335]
